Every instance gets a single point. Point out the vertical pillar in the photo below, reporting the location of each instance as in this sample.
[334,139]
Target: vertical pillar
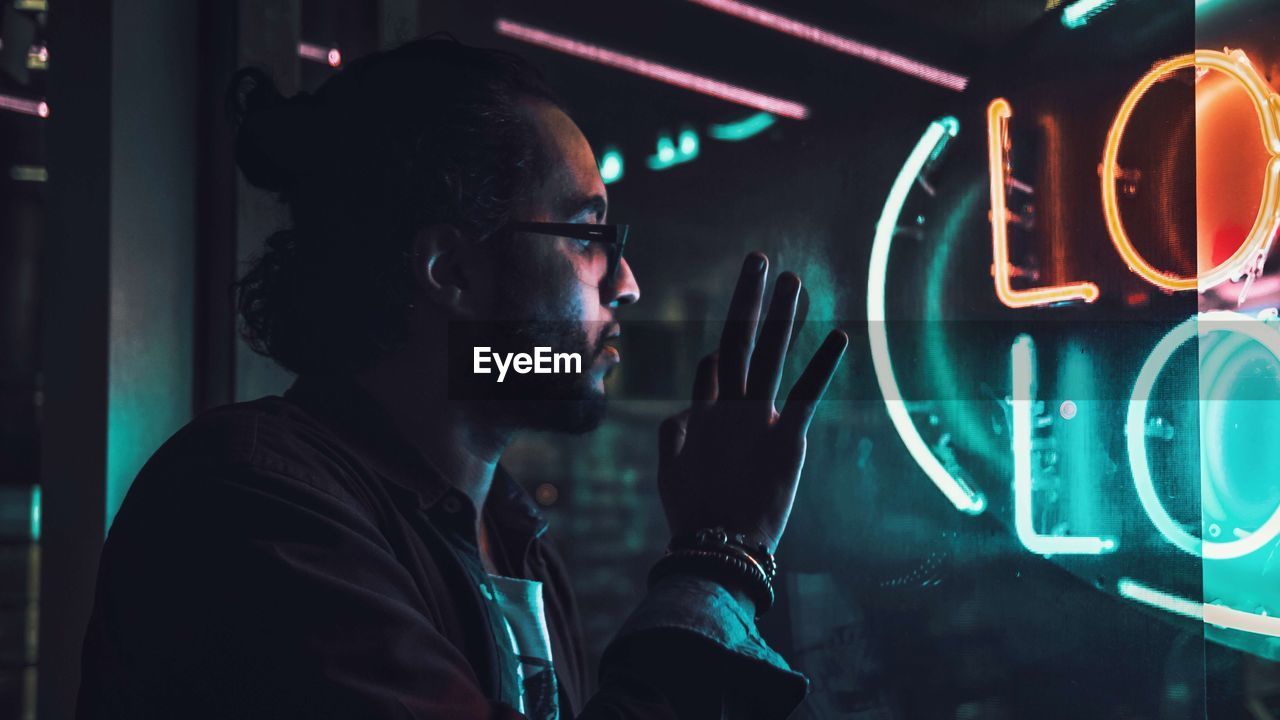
[118,306]
[216,264]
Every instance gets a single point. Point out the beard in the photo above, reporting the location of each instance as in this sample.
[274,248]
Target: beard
[538,311]
[566,403]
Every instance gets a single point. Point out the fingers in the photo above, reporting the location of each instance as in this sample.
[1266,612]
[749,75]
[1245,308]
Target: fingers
[770,353]
[802,313]
[809,389]
[705,385]
[739,333]
[671,436]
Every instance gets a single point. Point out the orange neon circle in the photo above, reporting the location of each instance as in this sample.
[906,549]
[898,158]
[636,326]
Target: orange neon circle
[1253,250]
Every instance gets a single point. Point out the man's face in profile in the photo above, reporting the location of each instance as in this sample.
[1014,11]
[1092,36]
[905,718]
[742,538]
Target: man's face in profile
[553,292]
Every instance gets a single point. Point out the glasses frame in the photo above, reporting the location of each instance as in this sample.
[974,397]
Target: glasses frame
[614,236]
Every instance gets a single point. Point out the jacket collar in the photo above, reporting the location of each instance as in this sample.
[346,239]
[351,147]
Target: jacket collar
[340,403]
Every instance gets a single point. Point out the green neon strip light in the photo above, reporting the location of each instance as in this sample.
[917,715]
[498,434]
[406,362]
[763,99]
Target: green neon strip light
[1135,431]
[672,152]
[964,497]
[743,129]
[1078,14]
[952,128]
[1210,613]
[1134,590]
[1022,358]
[35,513]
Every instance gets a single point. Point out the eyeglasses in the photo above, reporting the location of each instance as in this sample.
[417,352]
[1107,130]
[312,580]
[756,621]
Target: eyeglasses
[612,237]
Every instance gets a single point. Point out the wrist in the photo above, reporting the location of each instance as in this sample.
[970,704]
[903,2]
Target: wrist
[754,594]
[746,573]
[754,551]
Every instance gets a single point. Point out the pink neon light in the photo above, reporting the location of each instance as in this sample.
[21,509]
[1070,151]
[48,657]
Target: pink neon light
[329,56]
[839,43]
[39,108]
[652,70]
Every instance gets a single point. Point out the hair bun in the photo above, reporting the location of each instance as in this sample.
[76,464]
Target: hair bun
[275,136]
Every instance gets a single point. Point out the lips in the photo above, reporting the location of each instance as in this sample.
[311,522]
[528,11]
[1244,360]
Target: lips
[609,345]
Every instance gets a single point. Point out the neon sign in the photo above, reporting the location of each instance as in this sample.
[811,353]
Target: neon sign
[1210,613]
[1023,364]
[1237,329]
[998,145]
[1246,262]
[1248,258]
[949,481]
[1219,321]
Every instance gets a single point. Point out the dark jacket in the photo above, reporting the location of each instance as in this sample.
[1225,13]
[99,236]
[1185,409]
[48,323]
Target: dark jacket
[293,557]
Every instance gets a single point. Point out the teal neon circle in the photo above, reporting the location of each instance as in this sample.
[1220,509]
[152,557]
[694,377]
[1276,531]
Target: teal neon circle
[1135,430]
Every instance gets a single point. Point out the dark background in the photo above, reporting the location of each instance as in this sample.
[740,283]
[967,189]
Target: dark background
[122,223]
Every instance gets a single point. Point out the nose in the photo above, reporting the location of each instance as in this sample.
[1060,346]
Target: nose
[623,290]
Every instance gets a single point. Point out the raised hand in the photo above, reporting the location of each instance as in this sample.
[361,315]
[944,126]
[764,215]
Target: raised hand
[732,460]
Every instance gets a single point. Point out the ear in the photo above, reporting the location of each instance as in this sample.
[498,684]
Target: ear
[438,265]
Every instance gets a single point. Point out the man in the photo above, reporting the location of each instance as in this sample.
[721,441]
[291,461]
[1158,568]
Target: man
[354,549]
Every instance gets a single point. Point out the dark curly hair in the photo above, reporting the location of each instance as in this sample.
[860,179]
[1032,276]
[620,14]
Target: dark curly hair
[430,132]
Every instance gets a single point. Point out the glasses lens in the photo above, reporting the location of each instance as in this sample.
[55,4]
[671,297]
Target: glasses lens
[597,260]
[593,261]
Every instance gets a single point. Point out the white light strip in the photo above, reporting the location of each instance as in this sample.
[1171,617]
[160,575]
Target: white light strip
[651,70]
[1022,359]
[330,56]
[1218,615]
[1079,13]
[955,489]
[38,108]
[839,43]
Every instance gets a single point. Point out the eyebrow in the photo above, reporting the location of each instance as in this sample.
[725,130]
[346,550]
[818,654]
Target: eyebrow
[595,205]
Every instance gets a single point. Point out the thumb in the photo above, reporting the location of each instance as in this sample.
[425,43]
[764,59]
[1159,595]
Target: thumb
[671,436]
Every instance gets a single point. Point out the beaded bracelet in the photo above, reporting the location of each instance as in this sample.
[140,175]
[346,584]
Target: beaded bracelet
[723,565]
[718,538]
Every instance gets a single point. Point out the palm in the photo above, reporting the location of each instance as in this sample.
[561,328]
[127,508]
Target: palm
[732,460]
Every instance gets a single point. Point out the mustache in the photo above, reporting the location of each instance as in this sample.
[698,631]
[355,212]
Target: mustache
[561,333]
[612,332]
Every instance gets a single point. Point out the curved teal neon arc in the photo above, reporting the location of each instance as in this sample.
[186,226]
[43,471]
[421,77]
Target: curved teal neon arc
[956,488]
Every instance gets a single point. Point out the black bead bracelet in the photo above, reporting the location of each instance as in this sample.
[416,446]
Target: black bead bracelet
[723,565]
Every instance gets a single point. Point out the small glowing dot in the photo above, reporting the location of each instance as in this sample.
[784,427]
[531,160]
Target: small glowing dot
[335,57]
[688,142]
[611,166]
[1214,530]
[1067,409]
[546,494]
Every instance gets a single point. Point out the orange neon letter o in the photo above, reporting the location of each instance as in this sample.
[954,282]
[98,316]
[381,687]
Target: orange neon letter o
[1254,249]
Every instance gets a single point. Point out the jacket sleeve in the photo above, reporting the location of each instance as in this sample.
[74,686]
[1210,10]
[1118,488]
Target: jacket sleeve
[254,594]
[694,648]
